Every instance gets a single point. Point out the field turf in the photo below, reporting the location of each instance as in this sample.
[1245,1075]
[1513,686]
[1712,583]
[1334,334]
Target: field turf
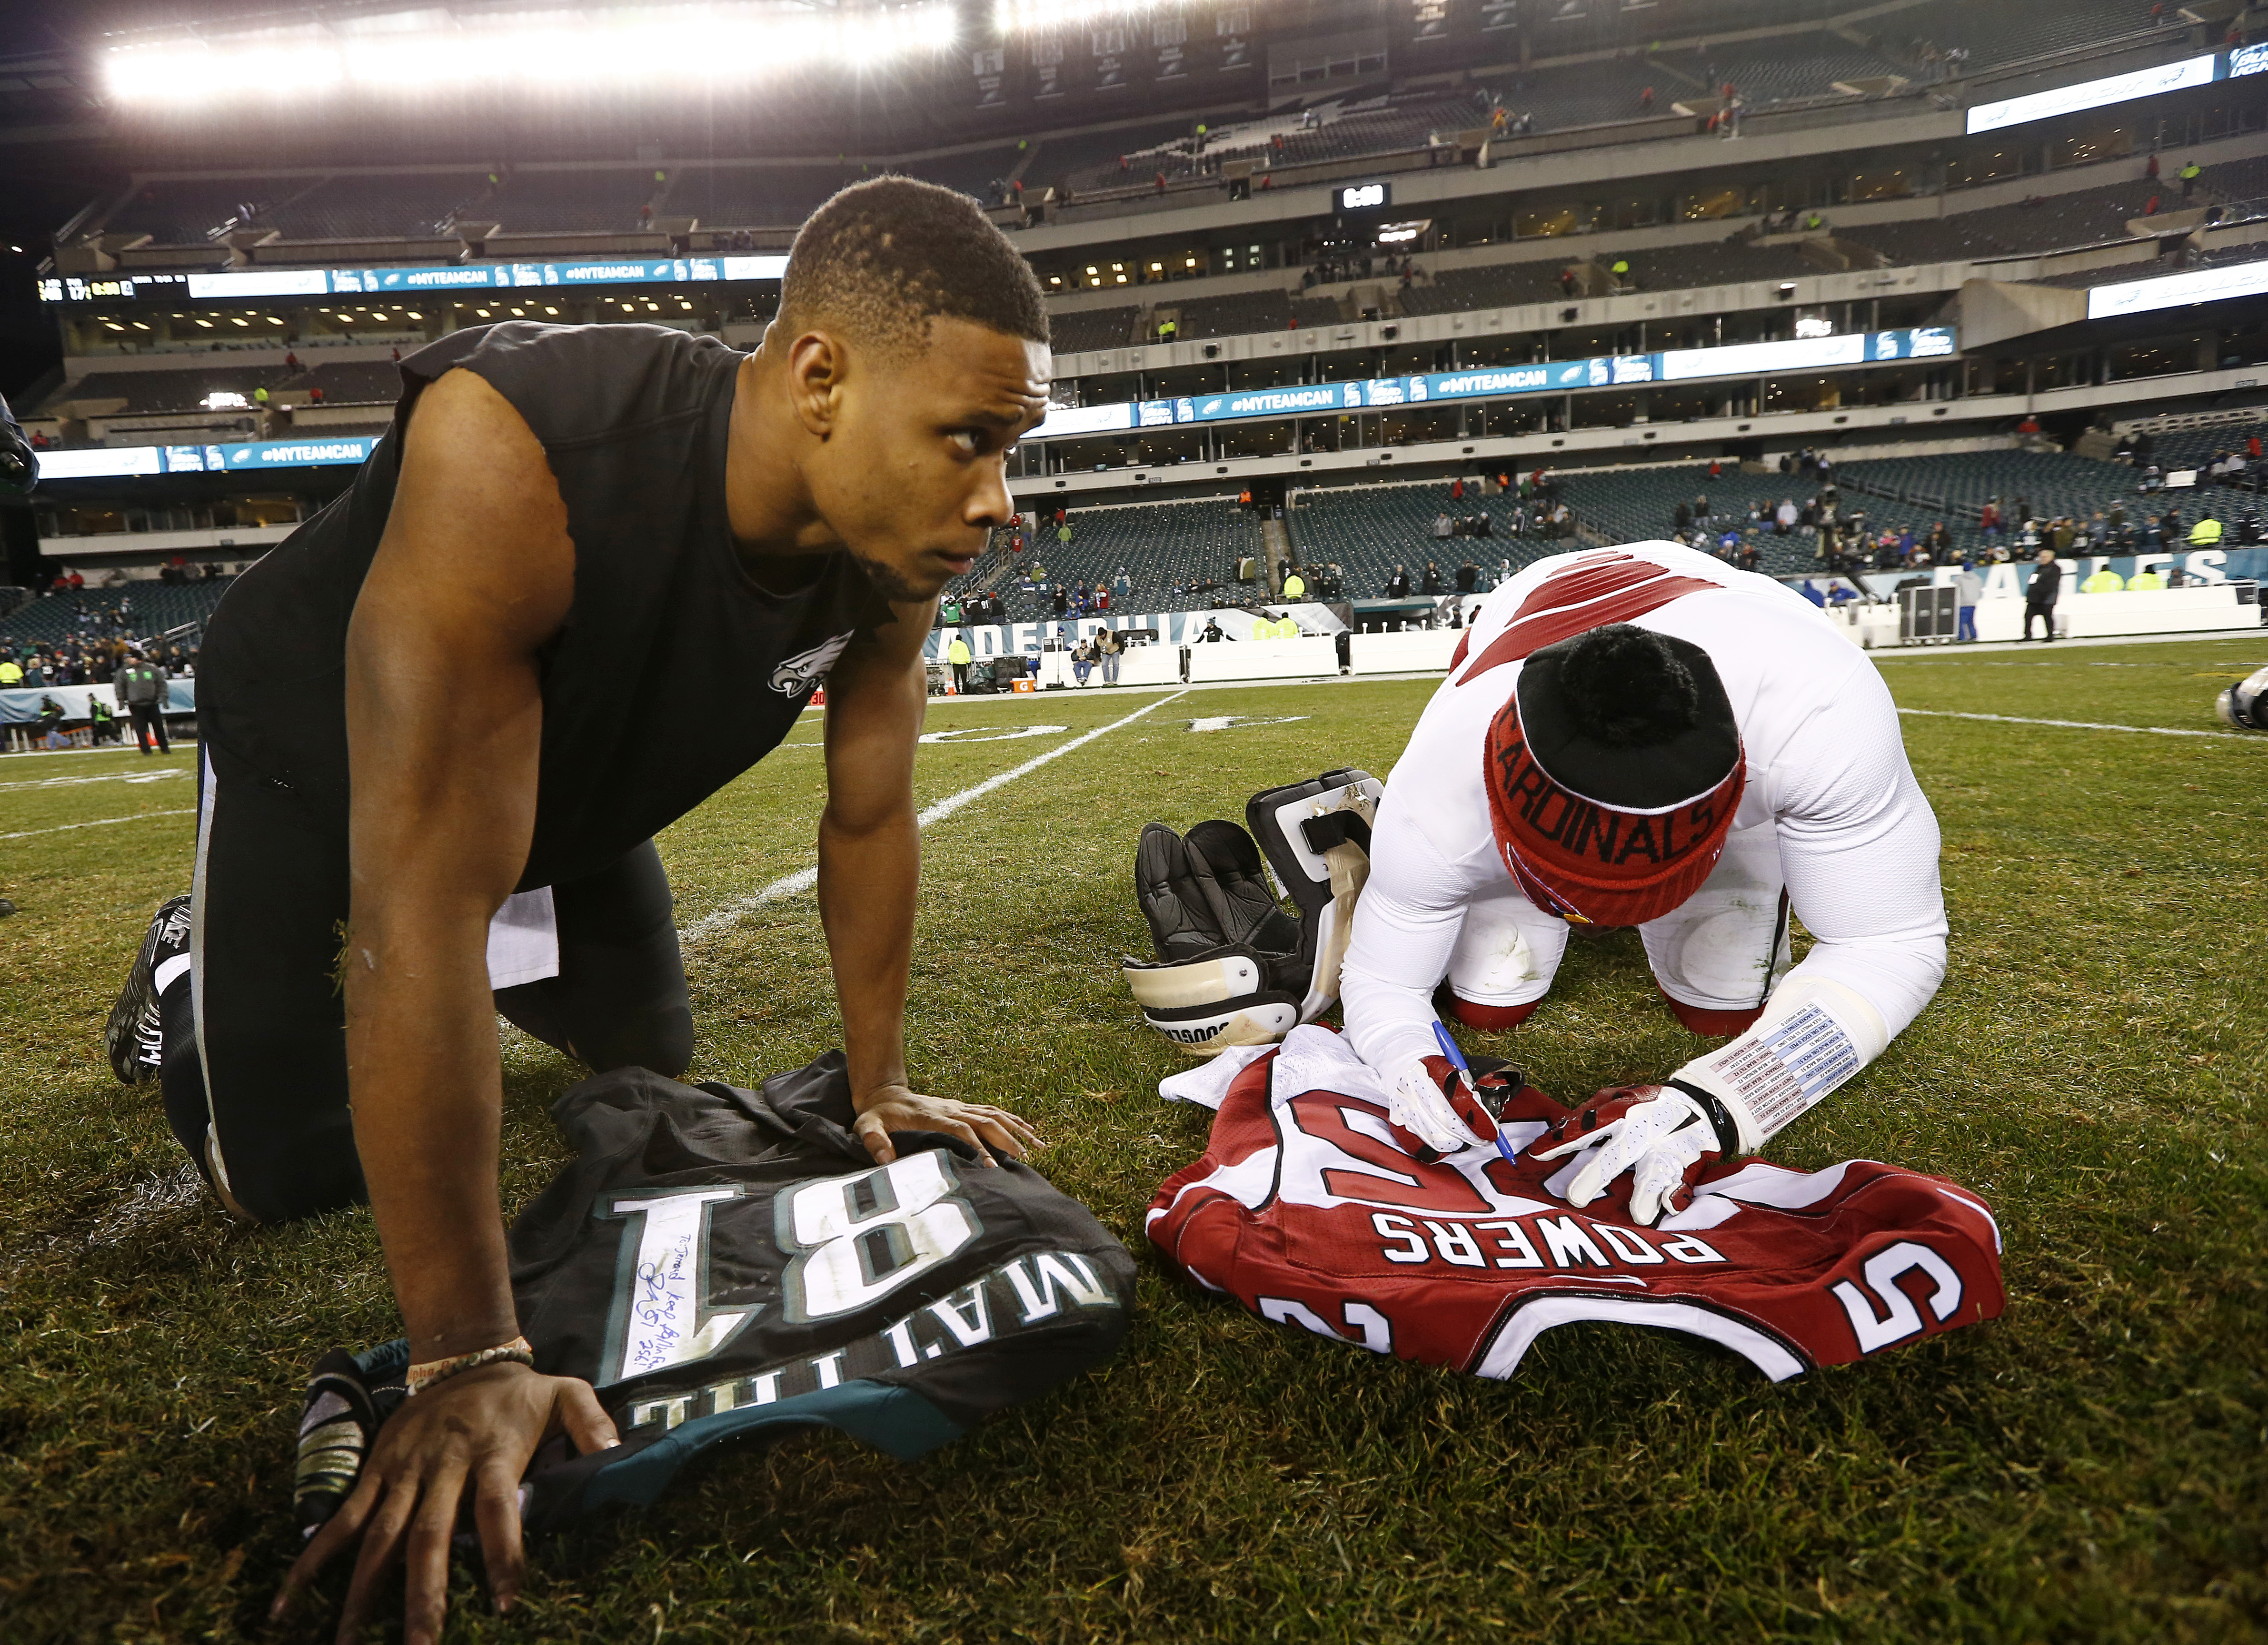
[2089,1468]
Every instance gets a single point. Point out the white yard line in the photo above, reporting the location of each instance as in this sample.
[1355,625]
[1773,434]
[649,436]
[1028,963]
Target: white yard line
[100,822]
[110,776]
[2081,725]
[804,878]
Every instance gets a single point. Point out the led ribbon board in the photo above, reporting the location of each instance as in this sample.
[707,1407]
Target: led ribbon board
[2202,285]
[407,282]
[2117,88]
[1800,353]
[1920,343]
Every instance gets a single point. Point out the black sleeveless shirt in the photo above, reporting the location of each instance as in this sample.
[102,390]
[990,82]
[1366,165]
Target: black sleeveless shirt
[675,672]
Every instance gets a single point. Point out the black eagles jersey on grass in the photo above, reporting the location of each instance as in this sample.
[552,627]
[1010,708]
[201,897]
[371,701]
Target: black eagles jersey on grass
[721,1263]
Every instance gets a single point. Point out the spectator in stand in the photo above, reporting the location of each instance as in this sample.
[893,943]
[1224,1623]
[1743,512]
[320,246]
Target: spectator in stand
[1784,517]
[2040,597]
[1469,577]
[1988,521]
[2150,170]
[291,361]
[1295,586]
[1645,101]
[2188,175]
[1397,585]
[1432,583]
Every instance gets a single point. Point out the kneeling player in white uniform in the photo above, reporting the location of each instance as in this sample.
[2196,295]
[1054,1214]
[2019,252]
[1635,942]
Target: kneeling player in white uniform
[1645,737]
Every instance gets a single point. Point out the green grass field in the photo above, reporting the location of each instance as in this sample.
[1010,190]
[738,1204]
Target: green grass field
[2088,1468]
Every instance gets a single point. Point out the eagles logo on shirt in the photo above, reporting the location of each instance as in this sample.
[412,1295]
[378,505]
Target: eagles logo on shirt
[800,673]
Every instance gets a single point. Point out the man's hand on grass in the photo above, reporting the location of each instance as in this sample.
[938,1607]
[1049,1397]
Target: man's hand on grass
[473,1433]
[989,1130]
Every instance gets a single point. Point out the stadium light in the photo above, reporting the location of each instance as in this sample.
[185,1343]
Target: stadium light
[413,53]
[1027,17]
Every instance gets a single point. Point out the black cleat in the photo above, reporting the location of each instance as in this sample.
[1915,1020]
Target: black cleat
[134,1036]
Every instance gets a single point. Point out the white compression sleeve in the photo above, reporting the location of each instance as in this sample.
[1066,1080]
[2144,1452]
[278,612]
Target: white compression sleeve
[1814,1036]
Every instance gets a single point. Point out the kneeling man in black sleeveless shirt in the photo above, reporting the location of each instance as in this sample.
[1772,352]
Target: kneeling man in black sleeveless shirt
[429,771]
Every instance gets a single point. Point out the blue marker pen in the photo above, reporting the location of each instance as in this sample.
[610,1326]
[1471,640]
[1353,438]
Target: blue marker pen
[1457,1061]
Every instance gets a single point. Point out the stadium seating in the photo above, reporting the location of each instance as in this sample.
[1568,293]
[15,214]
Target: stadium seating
[569,202]
[1955,486]
[1233,315]
[2086,217]
[755,196]
[172,391]
[186,213]
[1366,530]
[1993,34]
[158,607]
[1636,505]
[1309,311]
[1722,262]
[1159,545]
[1084,329]
[1788,68]
[357,384]
[379,207]
[1497,285]
[972,173]
[1088,161]
[1593,93]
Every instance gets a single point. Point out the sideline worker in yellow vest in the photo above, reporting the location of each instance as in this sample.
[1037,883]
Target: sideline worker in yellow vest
[2103,582]
[2205,533]
[957,656]
[2143,581]
[1295,586]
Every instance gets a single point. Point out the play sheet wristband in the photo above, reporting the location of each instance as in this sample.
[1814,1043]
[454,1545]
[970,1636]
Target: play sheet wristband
[516,1352]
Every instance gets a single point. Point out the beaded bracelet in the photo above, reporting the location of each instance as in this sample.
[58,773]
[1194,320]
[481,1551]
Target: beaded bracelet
[515,1352]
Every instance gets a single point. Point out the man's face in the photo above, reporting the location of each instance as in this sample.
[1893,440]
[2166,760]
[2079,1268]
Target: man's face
[913,475]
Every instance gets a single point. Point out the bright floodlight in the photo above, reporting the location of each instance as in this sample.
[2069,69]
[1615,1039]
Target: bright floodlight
[526,51]
[1025,17]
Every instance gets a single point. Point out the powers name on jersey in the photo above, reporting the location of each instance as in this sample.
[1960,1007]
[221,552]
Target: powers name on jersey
[1306,1212]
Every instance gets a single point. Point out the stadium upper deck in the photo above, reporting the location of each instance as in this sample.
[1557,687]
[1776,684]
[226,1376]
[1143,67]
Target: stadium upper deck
[1503,219]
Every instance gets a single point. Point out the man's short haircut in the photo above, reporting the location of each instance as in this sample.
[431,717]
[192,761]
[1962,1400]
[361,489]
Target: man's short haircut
[885,257]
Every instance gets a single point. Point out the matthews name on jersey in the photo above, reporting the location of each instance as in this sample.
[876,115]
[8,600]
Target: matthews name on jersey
[721,1263]
[1305,1210]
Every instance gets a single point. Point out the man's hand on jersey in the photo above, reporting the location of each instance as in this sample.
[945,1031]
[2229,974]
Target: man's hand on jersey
[1660,1136]
[988,1130]
[1437,1106]
[472,1435]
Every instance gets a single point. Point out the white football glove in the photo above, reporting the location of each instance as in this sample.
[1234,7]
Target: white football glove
[1661,1136]
[1438,1107]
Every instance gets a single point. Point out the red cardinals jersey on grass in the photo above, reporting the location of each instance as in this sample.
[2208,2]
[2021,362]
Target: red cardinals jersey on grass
[1306,1212]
